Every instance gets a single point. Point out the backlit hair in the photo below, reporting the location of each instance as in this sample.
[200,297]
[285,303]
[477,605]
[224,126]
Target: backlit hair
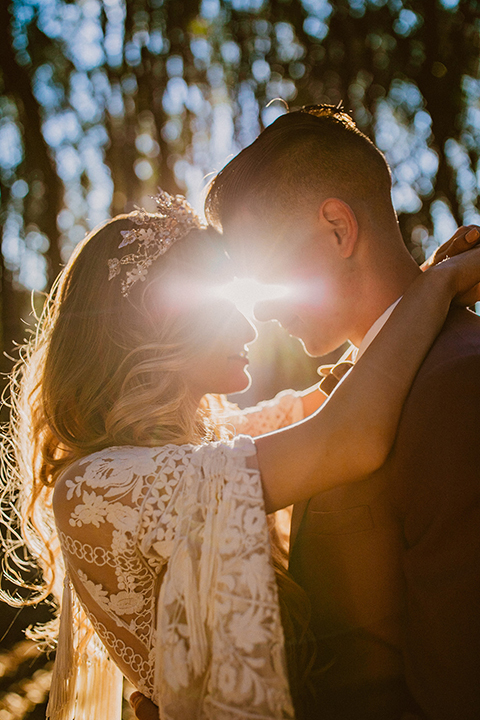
[314,152]
[106,370]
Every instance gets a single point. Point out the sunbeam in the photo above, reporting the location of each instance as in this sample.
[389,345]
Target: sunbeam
[246,292]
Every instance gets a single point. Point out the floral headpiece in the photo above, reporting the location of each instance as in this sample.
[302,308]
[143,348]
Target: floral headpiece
[155,234]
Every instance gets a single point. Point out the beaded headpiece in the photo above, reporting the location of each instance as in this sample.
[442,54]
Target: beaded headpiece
[155,234]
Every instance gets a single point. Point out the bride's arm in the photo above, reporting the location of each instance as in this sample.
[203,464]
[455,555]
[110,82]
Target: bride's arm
[352,433]
[312,399]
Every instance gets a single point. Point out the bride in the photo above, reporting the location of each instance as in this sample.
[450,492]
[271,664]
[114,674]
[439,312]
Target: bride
[145,493]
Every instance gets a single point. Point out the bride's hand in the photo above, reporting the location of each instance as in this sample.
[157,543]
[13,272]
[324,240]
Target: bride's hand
[461,275]
[465,238]
[143,708]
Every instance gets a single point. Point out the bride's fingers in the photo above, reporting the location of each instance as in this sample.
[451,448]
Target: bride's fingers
[464,239]
[143,708]
[465,271]
[470,298]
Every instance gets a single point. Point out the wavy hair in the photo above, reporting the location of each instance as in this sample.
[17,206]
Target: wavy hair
[101,370]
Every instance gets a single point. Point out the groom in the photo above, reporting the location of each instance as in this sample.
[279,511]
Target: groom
[391,564]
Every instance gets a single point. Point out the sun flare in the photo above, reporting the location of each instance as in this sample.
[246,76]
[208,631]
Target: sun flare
[246,292]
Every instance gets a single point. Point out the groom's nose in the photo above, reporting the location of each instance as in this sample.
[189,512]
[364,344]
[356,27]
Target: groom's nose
[265,310]
[276,309]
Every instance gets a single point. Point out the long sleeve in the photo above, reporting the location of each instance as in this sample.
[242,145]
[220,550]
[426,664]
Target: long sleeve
[286,408]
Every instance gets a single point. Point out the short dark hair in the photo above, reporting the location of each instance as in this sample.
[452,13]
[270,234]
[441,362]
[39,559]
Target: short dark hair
[317,149]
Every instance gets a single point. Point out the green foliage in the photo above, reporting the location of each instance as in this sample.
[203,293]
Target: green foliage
[101,101]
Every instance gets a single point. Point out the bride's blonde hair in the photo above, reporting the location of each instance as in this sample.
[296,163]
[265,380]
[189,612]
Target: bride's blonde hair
[105,370]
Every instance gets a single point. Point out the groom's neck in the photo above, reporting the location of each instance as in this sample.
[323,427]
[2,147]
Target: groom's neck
[385,277]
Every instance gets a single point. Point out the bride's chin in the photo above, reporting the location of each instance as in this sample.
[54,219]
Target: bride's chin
[239,384]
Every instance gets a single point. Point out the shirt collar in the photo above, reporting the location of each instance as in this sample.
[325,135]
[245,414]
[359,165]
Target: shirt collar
[374,330]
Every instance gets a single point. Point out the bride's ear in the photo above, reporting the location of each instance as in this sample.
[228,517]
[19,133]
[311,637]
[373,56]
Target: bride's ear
[341,225]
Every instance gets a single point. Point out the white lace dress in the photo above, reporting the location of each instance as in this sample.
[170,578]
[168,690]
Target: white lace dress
[168,551]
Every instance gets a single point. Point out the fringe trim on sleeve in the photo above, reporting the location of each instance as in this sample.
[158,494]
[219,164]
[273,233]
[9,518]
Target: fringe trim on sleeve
[62,690]
[86,684]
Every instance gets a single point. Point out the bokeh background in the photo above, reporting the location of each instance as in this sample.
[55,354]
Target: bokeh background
[102,101]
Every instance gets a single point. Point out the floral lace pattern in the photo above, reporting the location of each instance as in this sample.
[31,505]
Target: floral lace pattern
[286,408]
[168,550]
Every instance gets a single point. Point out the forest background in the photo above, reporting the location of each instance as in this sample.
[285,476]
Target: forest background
[102,101]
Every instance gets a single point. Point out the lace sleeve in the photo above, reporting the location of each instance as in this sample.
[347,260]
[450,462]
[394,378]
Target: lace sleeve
[284,409]
[187,521]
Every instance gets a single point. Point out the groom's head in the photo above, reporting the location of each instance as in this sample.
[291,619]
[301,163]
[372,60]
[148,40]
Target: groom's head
[308,203]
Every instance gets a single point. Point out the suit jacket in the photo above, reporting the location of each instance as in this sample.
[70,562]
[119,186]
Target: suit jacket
[392,563]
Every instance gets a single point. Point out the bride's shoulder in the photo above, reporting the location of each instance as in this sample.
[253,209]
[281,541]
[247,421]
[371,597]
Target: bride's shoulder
[119,465]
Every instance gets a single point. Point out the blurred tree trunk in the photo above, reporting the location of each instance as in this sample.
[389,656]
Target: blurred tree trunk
[41,206]
[38,161]
[10,318]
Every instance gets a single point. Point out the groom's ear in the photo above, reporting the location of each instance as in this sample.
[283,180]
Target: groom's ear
[341,225]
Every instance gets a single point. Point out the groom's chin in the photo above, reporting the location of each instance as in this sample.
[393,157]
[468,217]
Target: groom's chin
[314,348]
[318,347]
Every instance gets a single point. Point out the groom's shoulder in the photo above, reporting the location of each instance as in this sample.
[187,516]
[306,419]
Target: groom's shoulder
[462,327]
[458,344]
[447,384]
[437,437]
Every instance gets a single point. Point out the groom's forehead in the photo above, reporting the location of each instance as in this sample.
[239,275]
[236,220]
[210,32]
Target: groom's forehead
[262,248]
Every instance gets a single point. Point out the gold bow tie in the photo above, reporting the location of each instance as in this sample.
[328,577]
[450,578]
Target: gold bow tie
[332,374]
